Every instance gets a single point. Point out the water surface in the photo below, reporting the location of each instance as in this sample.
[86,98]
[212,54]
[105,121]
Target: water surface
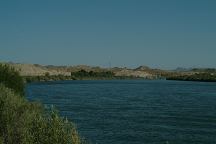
[135,112]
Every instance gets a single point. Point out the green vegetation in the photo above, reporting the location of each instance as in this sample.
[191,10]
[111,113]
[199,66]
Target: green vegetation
[98,75]
[11,79]
[204,76]
[204,70]
[79,75]
[47,78]
[82,74]
[24,122]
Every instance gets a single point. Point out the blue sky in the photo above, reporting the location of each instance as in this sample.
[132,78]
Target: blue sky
[158,33]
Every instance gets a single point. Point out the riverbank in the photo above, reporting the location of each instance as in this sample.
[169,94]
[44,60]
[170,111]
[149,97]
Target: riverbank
[25,122]
[36,72]
[201,77]
[81,75]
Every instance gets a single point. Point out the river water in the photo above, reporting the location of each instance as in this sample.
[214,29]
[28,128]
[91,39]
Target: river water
[134,111]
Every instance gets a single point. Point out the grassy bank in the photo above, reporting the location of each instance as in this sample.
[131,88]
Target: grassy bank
[24,122]
[202,77]
[29,79]
[79,75]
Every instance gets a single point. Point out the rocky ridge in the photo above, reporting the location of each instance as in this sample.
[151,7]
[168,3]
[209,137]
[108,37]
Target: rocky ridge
[40,70]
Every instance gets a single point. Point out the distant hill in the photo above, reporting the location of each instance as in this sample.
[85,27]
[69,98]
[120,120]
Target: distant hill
[141,71]
[37,70]
[40,70]
[181,69]
[142,68]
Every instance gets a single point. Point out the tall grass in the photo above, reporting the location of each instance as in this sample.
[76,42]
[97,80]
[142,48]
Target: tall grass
[24,122]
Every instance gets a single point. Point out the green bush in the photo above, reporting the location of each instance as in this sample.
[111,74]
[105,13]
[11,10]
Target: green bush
[92,74]
[24,122]
[11,78]
[206,77]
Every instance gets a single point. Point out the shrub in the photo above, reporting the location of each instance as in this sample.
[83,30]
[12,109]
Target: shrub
[92,74]
[11,78]
[24,122]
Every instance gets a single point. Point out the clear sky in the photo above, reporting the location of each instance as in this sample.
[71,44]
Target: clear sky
[158,33]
